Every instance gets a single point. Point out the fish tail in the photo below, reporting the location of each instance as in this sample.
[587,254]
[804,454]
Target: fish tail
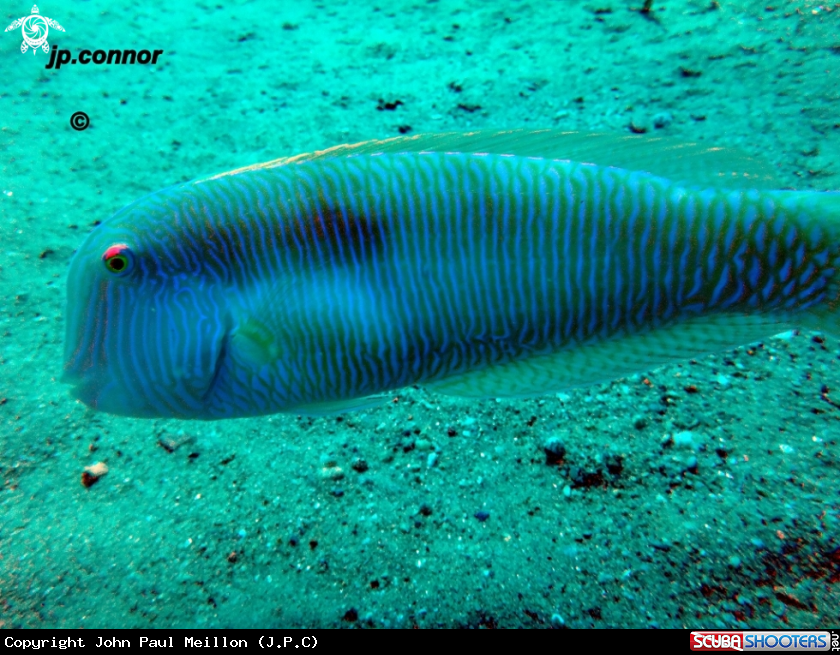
[819,215]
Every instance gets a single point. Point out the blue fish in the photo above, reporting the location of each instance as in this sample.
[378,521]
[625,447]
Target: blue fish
[485,264]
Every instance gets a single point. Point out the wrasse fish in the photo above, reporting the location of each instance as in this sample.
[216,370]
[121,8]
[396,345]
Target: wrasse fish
[500,264]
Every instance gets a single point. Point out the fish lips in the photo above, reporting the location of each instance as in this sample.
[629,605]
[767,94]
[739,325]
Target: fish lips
[107,397]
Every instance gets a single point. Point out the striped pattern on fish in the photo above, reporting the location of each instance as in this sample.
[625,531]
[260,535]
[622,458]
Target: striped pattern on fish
[310,285]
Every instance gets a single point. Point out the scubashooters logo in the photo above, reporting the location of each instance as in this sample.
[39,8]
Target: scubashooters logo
[35,29]
[800,641]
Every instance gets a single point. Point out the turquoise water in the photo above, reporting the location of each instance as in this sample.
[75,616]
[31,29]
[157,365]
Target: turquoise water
[701,495]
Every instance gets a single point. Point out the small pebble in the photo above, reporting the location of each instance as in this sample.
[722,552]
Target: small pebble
[554,450]
[684,439]
[328,461]
[332,473]
[662,119]
[359,465]
[639,123]
[93,472]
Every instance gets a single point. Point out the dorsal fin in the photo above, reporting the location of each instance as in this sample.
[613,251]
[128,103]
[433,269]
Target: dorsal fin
[683,162]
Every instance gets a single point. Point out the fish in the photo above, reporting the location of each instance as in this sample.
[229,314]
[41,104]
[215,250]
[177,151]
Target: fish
[501,263]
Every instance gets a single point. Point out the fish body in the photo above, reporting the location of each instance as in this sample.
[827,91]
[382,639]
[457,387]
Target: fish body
[313,284]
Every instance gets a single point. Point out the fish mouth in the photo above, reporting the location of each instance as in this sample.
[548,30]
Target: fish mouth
[106,397]
[83,387]
[190,398]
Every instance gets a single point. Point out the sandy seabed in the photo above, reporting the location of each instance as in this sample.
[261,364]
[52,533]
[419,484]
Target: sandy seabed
[704,494]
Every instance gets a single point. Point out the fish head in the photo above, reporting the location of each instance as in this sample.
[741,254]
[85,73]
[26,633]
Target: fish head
[145,318]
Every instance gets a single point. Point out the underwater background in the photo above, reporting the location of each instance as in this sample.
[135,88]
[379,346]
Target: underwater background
[705,494]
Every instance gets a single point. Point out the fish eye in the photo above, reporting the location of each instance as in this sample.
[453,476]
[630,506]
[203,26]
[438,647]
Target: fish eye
[118,259]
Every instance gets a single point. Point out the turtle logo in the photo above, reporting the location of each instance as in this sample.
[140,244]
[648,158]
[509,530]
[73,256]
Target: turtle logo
[35,28]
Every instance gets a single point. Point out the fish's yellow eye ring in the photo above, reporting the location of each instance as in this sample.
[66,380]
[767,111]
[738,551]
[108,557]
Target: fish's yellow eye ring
[118,259]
